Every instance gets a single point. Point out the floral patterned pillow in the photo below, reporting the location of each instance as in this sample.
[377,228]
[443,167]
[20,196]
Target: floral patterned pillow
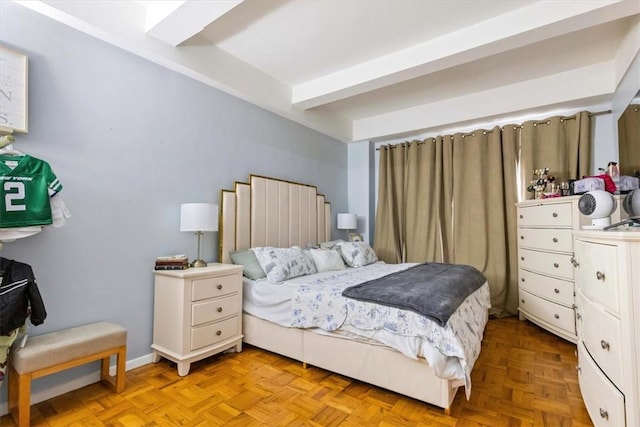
[281,264]
[357,254]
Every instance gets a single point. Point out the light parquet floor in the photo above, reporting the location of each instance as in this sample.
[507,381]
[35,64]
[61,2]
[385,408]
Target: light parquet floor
[524,376]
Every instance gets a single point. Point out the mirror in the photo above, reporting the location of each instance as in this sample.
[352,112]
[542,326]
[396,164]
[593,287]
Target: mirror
[629,139]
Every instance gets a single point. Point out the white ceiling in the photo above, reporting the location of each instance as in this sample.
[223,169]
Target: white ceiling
[379,69]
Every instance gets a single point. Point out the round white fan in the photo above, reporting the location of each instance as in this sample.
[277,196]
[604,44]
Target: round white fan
[631,205]
[597,205]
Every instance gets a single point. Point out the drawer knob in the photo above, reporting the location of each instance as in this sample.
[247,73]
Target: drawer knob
[522,279]
[521,216]
[521,237]
[557,316]
[600,275]
[522,301]
[556,290]
[218,333]
[604,345]
[578,316]
[604,414]
[219,286]
[555,240]
[521,258]
[219,309]
[556,265]
[574,262]
[555,215]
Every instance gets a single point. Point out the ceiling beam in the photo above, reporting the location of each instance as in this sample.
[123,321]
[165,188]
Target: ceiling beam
[524,26]
[174,22]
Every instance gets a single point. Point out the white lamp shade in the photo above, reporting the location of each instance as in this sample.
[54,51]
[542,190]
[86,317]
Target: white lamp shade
[347,221]
[198,217]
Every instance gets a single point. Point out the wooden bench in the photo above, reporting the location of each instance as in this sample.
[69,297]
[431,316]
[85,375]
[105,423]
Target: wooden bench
[53,352]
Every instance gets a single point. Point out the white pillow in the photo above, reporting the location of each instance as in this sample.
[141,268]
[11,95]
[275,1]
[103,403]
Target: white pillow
[327,260]
[357,254]
[281,264]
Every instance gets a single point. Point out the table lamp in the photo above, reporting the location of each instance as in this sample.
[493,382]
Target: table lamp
[347,221]
[199,218]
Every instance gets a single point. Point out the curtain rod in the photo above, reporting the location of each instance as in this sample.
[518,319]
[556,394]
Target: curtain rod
[597,113]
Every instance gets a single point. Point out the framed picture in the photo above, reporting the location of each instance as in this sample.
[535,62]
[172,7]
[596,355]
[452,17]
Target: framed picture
[13,90]
[355,237]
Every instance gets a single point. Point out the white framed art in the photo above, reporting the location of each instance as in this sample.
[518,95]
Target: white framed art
[14,75]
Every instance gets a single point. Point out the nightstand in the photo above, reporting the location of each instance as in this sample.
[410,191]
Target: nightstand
[197,313]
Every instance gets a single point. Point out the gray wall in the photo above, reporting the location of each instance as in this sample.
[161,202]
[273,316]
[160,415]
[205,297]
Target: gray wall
[130,141]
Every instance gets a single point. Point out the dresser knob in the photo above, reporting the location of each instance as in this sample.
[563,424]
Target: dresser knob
[219,287]
[218,333]
[604,345]
[521,216]
[557,316]
[522,301]
[521,258]
[522,279]
[578,368]
[556,265]
[600,276]
[604,414]
[556,290]
[555,240]
[574,262]
[555,215]
[578,316]
[219,309]
[521,237]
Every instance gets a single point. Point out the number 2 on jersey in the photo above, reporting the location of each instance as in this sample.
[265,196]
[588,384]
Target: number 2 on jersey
[14,196]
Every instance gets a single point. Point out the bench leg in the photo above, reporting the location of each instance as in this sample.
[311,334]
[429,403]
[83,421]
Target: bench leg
[20,397]
[119,383]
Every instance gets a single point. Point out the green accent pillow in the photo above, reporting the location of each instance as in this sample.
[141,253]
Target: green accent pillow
[248,260]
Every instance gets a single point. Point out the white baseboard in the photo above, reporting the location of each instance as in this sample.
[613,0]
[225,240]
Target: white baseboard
[77,383]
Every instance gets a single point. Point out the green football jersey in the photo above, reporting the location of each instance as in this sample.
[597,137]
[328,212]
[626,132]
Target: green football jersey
[26,183]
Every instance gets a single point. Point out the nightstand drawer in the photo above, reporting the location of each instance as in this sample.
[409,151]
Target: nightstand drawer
[602,336]
[212,310]
[550,215]
[207,335]
[549,239]
[560,291]
[214,287]
[546,263]
[603,400]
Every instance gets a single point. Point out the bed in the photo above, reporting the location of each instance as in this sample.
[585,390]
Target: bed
[268,212]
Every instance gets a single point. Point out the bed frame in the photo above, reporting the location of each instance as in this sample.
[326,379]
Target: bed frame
[273,212]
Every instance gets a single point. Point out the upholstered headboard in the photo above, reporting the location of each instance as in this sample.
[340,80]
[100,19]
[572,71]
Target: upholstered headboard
[271,212]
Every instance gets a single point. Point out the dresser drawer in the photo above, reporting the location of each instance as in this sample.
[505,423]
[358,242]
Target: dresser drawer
[600,332]
[604,402]
[558,265]
[212,333]
[597,272]
[549,239]
[549,215]
[557,315]
[212,310]
[560,291]
[214,287]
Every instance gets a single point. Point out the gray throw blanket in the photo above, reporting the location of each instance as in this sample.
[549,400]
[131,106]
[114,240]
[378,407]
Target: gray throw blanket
[434,290]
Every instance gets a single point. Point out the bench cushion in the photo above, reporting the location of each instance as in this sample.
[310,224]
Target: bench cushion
[54,348]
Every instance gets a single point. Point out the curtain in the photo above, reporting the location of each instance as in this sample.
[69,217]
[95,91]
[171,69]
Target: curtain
[453,198]
[562,144]
[629,141]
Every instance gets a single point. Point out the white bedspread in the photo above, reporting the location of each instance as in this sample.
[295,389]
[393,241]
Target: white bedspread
[316,301]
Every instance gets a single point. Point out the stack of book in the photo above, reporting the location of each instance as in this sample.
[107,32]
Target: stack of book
[172,262]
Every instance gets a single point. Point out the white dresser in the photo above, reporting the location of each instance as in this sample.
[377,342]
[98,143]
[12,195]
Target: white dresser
[545,270]
[197,313]
[608,320]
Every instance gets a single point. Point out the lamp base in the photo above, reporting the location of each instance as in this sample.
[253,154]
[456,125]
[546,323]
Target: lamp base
[198,263]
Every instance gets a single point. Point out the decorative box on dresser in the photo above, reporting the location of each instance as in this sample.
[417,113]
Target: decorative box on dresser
[608,319]
[197,313]
[545,270]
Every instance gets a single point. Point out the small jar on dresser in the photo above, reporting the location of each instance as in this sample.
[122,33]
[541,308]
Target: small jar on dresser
[608,320]
[545,270]
[197,313]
